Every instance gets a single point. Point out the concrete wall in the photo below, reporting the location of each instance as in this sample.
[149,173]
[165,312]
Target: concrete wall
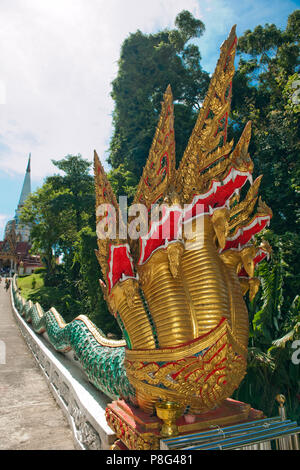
[83,405]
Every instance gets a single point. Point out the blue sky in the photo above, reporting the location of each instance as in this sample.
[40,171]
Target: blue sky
[58,58]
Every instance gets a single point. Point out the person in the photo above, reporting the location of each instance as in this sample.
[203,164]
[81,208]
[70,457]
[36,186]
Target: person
[7,284]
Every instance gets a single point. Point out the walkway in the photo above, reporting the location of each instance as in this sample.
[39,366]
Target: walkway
[30,419]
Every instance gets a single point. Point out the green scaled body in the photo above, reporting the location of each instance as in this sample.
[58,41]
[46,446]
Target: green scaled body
[103,364]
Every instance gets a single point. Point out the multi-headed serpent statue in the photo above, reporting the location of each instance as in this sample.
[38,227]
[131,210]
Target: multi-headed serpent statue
[178,302]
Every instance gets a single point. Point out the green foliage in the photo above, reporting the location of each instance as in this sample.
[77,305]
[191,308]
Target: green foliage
[263,92]
[46,226]
[292,317]
[30,283]
[75,190]
[268,374]
[266,319]
[39,271]
[270,368]
[148,63]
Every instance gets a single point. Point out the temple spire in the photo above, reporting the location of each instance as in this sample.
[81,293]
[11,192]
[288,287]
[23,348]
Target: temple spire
[26,189]
[28,165]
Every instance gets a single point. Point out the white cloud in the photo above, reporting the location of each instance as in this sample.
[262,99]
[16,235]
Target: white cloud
[3,220]
[58,58]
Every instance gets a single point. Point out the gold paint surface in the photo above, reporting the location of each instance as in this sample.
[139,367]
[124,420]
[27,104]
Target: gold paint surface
[168,303]
[202,150]
[200,381]
[204,279]
[133,315]
[239,312]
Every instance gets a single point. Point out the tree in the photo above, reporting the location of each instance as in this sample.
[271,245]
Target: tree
[75,189]
[74,200]
[148,63]
[47,227]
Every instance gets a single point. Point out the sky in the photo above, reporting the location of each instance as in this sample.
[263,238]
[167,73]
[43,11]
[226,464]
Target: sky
[58,59]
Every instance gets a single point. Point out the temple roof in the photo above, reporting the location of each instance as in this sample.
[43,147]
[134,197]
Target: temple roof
[22,248]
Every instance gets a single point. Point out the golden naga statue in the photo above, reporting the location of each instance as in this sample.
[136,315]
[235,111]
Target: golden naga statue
[177,291]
